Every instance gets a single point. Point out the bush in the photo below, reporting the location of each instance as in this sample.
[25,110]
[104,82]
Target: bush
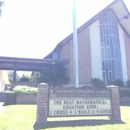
[21,90]
[128,83]
[125,93]
[119,83]
[96,82]
[53,74]
[24,79]
[109,82]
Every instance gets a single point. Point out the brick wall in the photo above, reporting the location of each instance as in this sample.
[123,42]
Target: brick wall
[127,47]
[84,53]
[84,57]
[26,99]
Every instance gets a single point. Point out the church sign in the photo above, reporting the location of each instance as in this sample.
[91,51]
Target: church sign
[79,102]
[67,102]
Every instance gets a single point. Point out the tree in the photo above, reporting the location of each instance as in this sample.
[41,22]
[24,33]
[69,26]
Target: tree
[1,4]
[24,78]
[54,74]
[96,82]
[11,76]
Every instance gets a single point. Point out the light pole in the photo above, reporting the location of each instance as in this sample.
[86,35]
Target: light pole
[75,46]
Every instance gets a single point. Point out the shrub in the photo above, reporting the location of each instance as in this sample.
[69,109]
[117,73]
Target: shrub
[119,83]
[21,90]
[24,79]
[109,82]
[128,83]
[53,74]
[96,82]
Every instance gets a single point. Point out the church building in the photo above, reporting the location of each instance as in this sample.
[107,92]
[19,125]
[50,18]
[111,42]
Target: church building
[103,47]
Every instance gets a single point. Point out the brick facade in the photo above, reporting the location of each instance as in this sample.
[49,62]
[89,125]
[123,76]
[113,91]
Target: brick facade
[127,47]
[26,99]
[84,54]
[84,57]
[95,55]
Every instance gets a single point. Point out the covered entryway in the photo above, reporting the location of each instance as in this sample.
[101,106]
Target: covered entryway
[25,64]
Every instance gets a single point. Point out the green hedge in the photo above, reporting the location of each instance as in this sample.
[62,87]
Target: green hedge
[25,90]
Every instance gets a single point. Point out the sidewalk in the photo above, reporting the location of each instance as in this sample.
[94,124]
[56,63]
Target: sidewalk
[1,107]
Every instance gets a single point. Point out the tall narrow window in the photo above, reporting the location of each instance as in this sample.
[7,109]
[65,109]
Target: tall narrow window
[110,48]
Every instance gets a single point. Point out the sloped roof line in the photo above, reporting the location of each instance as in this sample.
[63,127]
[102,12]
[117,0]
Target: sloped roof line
[85,25]
[124,6]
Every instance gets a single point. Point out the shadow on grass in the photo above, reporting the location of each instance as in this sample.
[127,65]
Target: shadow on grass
[73,123]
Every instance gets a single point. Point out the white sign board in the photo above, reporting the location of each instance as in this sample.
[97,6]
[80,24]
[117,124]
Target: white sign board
[79,103]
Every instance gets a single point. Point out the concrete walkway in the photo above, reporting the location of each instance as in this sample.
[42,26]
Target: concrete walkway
[1,107]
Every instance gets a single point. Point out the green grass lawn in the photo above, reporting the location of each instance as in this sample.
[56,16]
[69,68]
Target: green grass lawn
[18,117]
[22,117]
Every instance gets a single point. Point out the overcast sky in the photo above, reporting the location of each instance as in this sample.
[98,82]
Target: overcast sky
[32,28]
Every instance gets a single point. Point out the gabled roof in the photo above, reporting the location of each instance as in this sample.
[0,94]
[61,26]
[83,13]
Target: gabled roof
[121,13]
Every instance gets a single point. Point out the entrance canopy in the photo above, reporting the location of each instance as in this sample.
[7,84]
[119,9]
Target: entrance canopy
[25,64]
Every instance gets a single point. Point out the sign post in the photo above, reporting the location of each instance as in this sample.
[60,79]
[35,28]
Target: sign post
[75,46]
[42,102]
